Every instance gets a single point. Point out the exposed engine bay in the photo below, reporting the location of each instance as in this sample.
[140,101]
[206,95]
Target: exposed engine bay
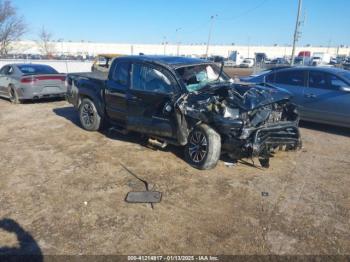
[252,122]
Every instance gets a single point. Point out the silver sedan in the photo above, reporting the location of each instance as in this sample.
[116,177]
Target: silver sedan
[20,82]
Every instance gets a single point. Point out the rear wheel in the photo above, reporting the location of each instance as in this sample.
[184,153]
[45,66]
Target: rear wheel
[203,149]
[13,95]
[88,115]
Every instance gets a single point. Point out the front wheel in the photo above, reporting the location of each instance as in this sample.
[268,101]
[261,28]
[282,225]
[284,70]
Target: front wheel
[203,149]
[88,115]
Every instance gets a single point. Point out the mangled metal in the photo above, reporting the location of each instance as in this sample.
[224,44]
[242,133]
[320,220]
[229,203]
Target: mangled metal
[252,122]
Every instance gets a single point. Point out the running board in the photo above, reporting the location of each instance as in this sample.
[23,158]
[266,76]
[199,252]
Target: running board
[119,130]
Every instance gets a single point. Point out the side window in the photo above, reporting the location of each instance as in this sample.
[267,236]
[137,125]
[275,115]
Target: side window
[317,79]
[294,78]
[335,82]
[147,78]
[4,70]
[121,73]
[10,70]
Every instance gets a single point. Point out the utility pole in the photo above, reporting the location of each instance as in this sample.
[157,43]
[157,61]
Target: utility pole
[177,40]
[209,36]
[296,32]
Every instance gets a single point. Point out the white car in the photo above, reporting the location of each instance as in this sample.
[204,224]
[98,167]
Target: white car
[247,63]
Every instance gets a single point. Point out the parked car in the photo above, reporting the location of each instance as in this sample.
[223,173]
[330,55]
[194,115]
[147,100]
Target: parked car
[20,82]
[103,62]
[322,94]
[279,61]
[260,58]
[187,102]
[247,63]
[346,63]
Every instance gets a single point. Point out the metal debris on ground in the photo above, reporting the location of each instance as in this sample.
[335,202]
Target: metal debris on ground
[264,194]
[147,196]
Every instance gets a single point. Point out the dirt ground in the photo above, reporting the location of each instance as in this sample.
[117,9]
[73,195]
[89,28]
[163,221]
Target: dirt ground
[64,188]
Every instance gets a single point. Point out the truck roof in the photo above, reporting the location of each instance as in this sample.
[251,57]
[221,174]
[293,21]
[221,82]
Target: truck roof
[169,61]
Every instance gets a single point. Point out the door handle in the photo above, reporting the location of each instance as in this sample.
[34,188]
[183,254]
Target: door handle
[135,98]
[310,95]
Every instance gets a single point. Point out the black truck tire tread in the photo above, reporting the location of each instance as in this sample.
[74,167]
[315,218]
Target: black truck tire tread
[97,122]
[214,149]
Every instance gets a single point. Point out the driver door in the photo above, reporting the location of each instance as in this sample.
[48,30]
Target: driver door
[150,109]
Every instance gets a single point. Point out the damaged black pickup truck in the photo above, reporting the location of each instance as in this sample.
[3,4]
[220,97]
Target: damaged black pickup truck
[187,102]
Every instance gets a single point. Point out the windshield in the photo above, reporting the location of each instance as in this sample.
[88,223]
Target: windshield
[37,69]
[198,76]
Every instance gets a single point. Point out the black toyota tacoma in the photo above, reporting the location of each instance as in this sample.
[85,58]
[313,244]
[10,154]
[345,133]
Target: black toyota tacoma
[187,102]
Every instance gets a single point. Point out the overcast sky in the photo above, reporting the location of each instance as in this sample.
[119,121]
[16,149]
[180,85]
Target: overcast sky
[151,21]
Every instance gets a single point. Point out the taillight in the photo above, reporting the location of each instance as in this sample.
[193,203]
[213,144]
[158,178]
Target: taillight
[28,80]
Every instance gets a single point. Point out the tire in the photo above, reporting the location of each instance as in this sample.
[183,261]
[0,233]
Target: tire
[203,149]
[89,118]
[13,95]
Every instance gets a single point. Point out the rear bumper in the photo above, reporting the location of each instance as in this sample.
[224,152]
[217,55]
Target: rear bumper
[33,92]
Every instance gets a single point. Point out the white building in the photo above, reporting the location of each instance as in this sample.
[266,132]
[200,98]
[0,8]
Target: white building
[88,48]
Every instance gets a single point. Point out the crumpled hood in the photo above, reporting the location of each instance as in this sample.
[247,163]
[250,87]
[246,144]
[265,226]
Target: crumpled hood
[243,96]
[260,95]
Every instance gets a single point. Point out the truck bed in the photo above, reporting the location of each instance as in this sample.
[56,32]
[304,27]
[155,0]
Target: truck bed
[90,75]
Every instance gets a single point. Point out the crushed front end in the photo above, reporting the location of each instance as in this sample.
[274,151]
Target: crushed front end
[254,122]
[269,128]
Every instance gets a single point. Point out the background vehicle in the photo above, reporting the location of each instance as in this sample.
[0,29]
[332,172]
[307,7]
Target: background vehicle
[320,59]
[247,63]
[260,58]
[30,81]
[103,62]
[322,94]
[303,58]
[279,61]
[234,59]
[346,63]
[187,102]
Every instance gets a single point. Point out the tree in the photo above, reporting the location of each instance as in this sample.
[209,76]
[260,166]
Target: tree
[45,42]
[12,26]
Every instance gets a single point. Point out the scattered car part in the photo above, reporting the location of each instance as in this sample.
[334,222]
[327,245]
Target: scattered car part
[150,197]
[147,196]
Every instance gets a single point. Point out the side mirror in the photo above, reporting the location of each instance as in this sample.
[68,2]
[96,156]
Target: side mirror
[345,88]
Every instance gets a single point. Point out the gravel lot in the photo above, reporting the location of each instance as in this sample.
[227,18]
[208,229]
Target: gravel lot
[66,188]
